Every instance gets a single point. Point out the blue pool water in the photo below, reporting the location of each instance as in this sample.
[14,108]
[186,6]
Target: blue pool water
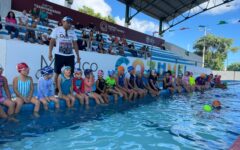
[173,123]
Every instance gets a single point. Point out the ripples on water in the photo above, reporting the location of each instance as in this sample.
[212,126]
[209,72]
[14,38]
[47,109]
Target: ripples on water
[173,123]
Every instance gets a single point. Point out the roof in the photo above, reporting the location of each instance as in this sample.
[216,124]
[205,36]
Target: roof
[165,10]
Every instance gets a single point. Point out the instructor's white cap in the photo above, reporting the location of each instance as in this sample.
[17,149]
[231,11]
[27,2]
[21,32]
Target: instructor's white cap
[68,19]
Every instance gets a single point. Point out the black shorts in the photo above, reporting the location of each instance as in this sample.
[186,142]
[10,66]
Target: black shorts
[61,61]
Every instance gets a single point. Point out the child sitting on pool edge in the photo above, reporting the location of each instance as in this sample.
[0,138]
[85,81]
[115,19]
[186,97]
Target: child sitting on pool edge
[78,87]
[65,86]
[101,87]
[46,89]
[88,85]
[6,101]
[23,88]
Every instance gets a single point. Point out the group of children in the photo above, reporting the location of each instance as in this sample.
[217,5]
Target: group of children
[131,86]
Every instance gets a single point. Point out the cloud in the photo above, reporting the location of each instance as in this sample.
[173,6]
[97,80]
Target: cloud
[143,26]
[99,6]
[218,10]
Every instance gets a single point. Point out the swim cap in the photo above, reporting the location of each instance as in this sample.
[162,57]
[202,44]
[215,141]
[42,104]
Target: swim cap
[87,72]
[65,68]
[146,72]
[111,72]
[100,73]
[21,66]
[120,68]
[130,68]
[216,104]
[47,70]
[77,70]
[153,71]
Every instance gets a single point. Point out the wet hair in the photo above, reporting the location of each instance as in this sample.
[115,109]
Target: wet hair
[8,15]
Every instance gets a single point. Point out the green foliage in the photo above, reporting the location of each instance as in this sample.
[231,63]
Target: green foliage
[234,67]
[91,12]
[216,50]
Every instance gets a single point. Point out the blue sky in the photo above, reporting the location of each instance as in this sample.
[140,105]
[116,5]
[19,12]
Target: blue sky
[184,38]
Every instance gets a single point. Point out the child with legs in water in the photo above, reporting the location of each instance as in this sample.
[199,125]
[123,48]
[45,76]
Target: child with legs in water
[23,88]
[131,81]
[65,86]
[111,85]
[139,83]
[78,87]
[46,89]
[122,86]
[145,79]
[5,101]
[192,83]
[201,83]
[101,87]
[167,83]
[185,80]
[179,83]
[152,81]
[88,84]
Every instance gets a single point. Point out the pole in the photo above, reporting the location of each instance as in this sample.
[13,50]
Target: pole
[204,47]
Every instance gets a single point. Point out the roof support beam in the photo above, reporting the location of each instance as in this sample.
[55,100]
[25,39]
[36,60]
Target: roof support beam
[190,16]
[141,9]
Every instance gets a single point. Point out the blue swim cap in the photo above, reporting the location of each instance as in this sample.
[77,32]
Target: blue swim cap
[65,68]
[130,68]
[111,72]
[47,70]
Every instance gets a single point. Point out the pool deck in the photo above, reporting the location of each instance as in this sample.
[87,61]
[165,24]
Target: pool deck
[236,145]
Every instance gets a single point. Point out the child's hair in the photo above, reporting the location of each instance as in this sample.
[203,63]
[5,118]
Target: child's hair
[87,72]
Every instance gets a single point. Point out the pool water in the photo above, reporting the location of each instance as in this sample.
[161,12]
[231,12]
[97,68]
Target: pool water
[173,123]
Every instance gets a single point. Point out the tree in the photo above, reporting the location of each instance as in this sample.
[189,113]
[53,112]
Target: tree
[234,67]
[216,50]
[91,12]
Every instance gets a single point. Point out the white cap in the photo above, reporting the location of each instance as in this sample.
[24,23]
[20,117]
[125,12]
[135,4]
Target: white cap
[68,19]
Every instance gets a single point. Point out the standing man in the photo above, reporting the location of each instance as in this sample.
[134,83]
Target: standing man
[66,40]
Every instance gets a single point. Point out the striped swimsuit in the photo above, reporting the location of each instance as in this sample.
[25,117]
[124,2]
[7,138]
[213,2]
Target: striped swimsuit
[24,87]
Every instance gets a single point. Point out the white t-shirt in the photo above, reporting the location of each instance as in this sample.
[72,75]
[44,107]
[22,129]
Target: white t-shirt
[64,44]
[24,18]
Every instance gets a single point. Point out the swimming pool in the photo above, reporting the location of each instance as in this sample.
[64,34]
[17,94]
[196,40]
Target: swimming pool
[173,123]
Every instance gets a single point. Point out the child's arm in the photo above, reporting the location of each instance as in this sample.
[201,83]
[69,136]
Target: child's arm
[151,82]
[75,89]
[59,85]
[15,89]
[41,87]
[31,89]
[6,88]
[97,86]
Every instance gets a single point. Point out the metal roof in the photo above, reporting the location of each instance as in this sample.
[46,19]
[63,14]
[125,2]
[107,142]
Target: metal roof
[163,9]
[171,12]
